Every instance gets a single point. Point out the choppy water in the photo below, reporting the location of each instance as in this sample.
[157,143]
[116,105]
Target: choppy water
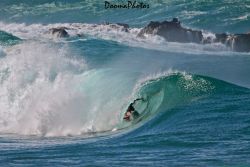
[62,99]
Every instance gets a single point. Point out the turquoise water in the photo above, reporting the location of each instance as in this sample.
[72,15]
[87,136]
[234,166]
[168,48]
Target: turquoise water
[62,99]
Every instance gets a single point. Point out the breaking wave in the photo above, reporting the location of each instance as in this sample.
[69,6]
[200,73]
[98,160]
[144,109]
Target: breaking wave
[47,91]
[114,32]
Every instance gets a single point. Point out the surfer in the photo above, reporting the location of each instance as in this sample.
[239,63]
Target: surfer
[131,111]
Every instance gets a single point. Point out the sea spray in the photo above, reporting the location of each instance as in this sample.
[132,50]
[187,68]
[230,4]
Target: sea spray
[35,77]
[45,90]
[116,33]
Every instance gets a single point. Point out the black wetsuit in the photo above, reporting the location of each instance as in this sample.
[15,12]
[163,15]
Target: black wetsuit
[131,108]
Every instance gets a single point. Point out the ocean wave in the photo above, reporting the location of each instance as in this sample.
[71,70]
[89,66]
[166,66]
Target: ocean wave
[116,33]
[35,9]
[34,78]
[46,91]
[7,39]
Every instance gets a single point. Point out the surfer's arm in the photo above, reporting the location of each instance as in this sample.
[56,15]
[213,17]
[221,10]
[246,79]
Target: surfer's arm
[138,99]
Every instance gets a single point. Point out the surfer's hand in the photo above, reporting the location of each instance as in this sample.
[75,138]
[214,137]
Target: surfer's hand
[127,118]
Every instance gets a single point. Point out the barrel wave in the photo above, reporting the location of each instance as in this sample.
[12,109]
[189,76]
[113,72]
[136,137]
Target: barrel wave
[67,99]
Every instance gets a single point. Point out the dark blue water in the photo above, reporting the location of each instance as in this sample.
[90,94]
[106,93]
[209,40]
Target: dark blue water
[62,99]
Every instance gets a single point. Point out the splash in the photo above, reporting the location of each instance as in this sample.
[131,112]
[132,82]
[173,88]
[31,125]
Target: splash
[36,81]
[116,33]
[47,91]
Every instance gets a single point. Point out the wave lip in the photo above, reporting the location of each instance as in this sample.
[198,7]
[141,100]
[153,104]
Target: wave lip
[171,89]
[178,92]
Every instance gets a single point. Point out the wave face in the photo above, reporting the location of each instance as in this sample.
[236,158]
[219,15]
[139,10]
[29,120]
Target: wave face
[8,39]
[92,100]
[62,100]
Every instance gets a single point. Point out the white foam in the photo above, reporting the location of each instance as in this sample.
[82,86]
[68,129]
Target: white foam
[192,14]
[45,90]
[208,35]
[241,18]
[115,33]
[37,94]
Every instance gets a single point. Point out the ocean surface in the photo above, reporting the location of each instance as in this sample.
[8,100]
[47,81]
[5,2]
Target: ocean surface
[62,100]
